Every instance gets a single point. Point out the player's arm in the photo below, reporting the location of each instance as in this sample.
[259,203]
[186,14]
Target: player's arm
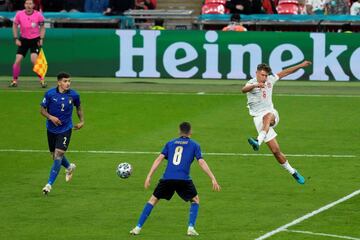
[292,69]
[80,115]
[153,168]
[207,170]
[52,118]
[250,86]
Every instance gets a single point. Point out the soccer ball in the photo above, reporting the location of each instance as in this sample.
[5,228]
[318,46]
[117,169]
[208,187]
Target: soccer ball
[124,170]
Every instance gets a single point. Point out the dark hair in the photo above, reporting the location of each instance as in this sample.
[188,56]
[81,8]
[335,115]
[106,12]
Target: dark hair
[265,67]
[62,75]
[185,127]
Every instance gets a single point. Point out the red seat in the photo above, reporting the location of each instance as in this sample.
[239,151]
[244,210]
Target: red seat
[215,1]
[213,8]
[288,1]
[288,7]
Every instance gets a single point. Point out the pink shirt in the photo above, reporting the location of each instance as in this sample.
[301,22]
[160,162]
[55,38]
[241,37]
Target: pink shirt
[29,24]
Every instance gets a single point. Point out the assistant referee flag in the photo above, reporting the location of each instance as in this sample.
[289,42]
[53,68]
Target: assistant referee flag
[41,65]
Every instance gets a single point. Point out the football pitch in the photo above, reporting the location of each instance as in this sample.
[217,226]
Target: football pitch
[129,120]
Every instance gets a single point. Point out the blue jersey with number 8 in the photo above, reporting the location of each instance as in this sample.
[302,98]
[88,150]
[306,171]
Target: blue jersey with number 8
[180,154]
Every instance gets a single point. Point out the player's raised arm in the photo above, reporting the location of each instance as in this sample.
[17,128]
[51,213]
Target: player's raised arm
[292,69]
[206,169]
[153,168]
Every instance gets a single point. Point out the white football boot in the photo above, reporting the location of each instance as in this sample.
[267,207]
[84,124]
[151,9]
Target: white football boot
[192,232]
[46,189]
[135,231]
[69,172]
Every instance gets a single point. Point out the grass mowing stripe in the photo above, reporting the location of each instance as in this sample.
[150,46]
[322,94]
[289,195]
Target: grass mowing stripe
[309,215]
[205,153]
[321,234]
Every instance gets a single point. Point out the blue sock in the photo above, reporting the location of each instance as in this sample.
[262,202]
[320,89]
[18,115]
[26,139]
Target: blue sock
[194,209]
[55,169]
[65,162]
[144,215]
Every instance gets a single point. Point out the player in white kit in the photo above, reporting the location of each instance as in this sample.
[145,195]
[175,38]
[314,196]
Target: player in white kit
[261,108]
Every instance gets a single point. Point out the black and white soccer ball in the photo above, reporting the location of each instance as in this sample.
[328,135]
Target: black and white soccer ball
[124,170]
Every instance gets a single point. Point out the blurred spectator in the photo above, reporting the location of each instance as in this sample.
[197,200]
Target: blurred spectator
[96,5]
[239,6]
[158,24]
[16,5]
[117,7]
[355,8]
[334,7]
[5,5]
[302,7]
[52,5]
[269,6]
[73,6]
[235,24]
[256,7]
[315,7]
[145,4]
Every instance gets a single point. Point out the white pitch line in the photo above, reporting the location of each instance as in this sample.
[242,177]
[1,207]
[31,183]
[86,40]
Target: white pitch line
[321,234]
[309,215]
[192,93]
[205,153]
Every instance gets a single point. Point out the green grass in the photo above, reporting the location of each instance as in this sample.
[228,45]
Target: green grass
[257,194]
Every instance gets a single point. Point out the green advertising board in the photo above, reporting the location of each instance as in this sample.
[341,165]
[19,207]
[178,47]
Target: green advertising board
[191,54]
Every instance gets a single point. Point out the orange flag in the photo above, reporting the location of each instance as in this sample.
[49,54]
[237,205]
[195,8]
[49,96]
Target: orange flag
[41,65]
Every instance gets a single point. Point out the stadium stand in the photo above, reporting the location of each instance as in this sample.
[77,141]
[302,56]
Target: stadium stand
[187,15]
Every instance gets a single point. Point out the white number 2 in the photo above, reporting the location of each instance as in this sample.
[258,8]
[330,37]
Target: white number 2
[65,138]
[62,107]
[177,155]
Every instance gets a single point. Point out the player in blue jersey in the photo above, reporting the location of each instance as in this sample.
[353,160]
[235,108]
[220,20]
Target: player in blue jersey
[180,154]
[57,106]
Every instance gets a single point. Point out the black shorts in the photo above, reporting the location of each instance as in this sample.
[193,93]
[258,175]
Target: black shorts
[59,140]
[27,44]
[184,188]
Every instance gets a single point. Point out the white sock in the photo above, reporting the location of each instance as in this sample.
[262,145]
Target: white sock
[261,137]
[288,167]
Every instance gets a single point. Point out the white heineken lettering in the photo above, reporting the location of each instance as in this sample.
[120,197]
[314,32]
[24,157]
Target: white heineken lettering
[277,64]
[128,51]
[355,63]
[237,56]
[171,63]
[209,57]
[212,56]
[321,61]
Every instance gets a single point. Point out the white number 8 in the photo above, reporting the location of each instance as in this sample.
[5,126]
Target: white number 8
[177,155]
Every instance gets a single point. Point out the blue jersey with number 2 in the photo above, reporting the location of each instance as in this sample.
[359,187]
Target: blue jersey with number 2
[180,154]
[60,105]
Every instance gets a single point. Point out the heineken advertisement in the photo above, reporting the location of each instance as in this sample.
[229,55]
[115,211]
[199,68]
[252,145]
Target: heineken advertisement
[192,54]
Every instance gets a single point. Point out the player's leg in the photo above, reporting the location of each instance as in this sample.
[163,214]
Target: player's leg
[69,167]
[268,119]
[263,124]
[164,190]
[16,69]
[194,209]
[187,191]
[145,214]
[281,158]
[51,137]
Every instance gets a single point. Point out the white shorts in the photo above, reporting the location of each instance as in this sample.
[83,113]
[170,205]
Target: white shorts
[258,121]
